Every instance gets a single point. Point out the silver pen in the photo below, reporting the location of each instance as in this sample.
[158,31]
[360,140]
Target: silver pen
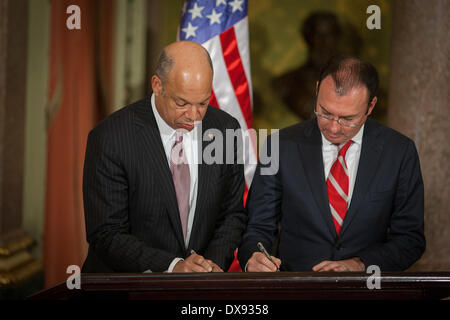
[263,250]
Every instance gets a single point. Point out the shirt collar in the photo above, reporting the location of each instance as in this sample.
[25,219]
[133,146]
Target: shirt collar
[165,130]
[356,139]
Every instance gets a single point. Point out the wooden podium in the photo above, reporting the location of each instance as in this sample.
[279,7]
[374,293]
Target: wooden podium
[254,286]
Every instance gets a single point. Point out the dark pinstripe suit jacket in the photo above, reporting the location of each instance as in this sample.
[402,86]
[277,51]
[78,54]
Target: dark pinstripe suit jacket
[131,211]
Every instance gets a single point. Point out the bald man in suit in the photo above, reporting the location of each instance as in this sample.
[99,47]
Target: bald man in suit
[144,210]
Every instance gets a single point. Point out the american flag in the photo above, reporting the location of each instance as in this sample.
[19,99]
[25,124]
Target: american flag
[221,27]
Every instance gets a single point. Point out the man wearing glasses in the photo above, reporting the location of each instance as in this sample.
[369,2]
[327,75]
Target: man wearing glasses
[349,191]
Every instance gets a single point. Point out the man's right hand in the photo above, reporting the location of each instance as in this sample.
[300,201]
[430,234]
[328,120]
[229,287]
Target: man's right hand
[196,263]
[259,263]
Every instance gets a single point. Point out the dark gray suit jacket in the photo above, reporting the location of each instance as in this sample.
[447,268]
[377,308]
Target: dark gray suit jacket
[131,211]
[384,224]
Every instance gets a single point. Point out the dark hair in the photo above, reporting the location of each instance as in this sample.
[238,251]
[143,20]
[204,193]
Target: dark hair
[163,66]
[349,72]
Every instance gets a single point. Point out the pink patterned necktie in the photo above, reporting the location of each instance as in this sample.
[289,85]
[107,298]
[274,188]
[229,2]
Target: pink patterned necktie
[337,187]
[181,178]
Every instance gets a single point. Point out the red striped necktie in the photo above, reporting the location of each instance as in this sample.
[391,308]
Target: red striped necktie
[337,187]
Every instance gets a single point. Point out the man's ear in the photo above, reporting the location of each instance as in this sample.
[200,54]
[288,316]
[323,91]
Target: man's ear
[317,88]
[156,86]
[372,105]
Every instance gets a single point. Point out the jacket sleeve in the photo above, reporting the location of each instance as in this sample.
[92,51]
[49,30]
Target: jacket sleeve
[405,242]
[263,206]
[105,194]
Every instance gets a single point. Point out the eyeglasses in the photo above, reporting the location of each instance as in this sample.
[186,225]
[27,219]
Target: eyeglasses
[341,121]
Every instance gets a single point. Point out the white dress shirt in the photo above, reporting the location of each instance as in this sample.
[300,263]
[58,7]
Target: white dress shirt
[330,152]
[190,145]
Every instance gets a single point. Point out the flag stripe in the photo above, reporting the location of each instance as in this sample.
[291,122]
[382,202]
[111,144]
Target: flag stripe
[227,42]
[236,72]
[227,100]
[223,90]
[241,30]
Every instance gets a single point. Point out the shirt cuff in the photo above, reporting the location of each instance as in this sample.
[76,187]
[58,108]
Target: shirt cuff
[173,263]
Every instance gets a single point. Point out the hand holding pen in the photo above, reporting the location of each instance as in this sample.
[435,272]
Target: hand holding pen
[196,263]
[212,267]
[264,251]
[263,262]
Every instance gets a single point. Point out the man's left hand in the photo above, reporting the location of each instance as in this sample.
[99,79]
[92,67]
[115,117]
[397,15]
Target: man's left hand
[353,264]
[215,267]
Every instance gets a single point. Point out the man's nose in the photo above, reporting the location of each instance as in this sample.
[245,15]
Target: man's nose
[192,113]
[334,127]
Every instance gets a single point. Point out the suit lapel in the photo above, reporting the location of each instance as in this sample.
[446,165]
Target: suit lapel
[370,155]
[312,160]
[154,149]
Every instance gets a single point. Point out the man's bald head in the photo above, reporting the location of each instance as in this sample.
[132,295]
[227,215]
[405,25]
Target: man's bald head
[182,54]
[182,84]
